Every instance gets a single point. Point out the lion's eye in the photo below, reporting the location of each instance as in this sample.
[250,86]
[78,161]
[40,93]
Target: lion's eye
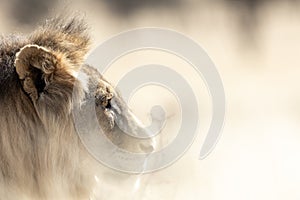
[103,102]
[108,106]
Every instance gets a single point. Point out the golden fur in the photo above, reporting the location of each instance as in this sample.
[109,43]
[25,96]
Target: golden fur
[41,155]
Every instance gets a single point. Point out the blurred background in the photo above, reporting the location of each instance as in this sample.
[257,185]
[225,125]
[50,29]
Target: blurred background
[255,45]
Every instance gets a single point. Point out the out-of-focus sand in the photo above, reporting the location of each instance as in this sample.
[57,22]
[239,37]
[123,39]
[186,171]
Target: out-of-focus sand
[257,156]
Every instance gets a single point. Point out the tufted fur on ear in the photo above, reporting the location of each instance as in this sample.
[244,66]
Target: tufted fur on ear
[66,35]
[34,66]
[48,63]
[47,77]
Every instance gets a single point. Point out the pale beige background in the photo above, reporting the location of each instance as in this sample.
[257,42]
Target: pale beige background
[257,51]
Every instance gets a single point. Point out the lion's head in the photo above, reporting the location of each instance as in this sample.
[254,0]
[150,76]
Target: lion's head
[40,151]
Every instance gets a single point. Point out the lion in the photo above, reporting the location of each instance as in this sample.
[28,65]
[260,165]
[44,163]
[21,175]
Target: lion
[41,155]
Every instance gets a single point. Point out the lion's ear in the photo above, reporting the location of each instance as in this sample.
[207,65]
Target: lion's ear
[33,63]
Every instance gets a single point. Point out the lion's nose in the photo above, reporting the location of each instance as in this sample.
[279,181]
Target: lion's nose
[129,130]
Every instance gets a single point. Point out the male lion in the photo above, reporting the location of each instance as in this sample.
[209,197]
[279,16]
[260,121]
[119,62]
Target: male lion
[41,155]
